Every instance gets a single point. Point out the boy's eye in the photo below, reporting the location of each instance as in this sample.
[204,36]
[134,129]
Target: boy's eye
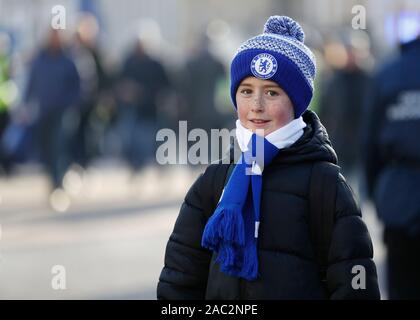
[246,91]
[272,93]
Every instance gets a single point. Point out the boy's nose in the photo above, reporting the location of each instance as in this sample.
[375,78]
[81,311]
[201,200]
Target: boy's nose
[258,104]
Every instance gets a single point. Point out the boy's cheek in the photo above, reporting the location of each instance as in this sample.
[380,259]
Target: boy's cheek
[242,114]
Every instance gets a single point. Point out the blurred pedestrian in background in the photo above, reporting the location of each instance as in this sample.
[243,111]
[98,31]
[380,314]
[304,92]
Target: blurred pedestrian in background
[53,89]
[203,71]
[141,83]
[6,97]
[343,97]
[391,151]
[94,81]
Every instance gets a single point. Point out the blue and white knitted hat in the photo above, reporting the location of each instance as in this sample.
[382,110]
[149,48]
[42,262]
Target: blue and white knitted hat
[280,55]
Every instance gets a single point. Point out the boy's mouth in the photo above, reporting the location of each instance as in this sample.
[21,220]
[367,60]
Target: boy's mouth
[259,121]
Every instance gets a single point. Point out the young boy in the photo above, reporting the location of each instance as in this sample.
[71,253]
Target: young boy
[259,228]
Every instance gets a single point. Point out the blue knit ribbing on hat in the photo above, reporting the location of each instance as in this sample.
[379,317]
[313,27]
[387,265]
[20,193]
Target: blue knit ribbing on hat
[290,62]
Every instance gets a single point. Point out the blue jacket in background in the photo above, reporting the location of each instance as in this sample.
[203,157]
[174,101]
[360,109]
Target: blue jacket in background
[53,82]
[391,141]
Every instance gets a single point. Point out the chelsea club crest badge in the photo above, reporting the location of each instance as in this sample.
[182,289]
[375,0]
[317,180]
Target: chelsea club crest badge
[264,66]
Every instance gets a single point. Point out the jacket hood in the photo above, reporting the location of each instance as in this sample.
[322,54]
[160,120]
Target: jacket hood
[314,145]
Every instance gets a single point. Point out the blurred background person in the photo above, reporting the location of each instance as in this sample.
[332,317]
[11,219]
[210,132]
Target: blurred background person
[203,71]
[6,97]
[391,153]
[343,96]
[141,83]
[94,82]
[53,89]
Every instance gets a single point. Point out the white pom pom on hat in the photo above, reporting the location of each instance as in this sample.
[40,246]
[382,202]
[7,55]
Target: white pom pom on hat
[284,26]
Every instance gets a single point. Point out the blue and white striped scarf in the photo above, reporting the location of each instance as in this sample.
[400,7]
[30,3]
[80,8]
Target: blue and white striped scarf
[232,230]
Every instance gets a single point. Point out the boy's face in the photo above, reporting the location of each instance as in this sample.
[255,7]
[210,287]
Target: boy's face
[262,104]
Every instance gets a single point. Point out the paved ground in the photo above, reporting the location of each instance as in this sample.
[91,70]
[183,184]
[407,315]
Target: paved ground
[109,235]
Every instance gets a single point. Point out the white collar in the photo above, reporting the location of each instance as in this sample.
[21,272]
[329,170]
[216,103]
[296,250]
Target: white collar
[281,138]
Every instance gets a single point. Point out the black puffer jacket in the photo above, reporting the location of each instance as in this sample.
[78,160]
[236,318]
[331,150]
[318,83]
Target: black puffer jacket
[286,257]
